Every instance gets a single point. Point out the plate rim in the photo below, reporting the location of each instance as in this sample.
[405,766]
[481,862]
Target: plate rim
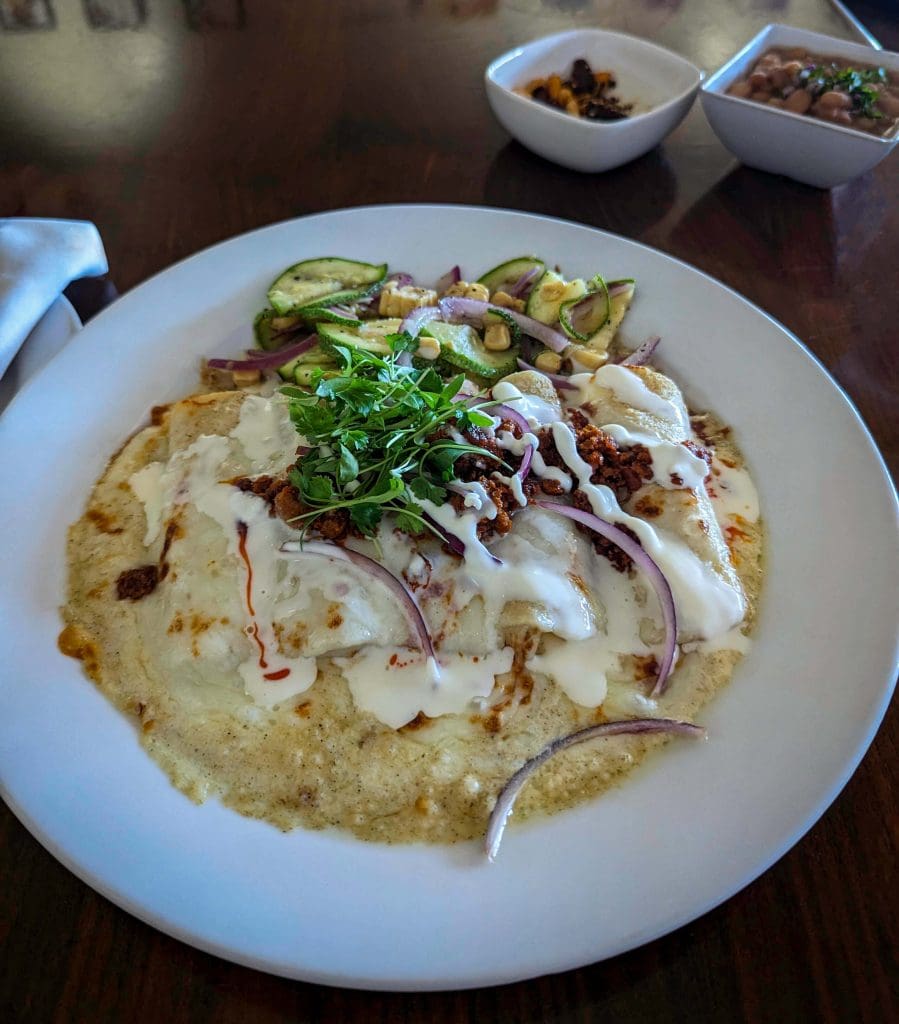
[861,746]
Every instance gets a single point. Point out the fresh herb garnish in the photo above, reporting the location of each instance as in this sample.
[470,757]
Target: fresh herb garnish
[374,427]
[856,82]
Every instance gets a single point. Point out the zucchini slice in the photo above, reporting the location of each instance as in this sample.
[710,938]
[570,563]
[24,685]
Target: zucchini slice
[498,315]
[462,349]
[592,312]
[619,303]
[326,281]
[272,331]
[502,278]
[315,356]
[549,293]
[369,335]
[331,316]
[303,373]
[264,333]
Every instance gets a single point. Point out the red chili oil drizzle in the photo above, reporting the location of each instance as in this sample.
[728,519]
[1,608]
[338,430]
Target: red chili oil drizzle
[282,673]
[242,548]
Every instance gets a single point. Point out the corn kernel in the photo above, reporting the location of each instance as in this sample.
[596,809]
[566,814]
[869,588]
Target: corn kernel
[468,290]
[396,301]
[590,359]
[572,108]
[428,348]
[548,362]
[497,338]
[553,85]
[565,96]
[243,378]
[507,302]
[535,83]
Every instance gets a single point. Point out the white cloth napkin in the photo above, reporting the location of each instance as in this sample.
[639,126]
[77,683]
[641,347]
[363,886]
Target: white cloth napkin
[38,259]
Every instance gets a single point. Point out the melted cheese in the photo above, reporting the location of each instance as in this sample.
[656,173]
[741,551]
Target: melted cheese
[629,389]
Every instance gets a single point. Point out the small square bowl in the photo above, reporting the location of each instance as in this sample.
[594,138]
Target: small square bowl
[803,148]
[660,84]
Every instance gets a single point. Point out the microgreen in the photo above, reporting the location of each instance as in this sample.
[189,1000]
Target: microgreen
[384,437]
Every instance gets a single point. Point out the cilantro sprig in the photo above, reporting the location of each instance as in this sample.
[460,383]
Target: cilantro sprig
[374,428]
[820,78]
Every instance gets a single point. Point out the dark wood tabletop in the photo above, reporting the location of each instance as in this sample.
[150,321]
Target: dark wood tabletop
[174,125]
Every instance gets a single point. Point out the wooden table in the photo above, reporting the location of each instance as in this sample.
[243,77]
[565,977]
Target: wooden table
[175,125]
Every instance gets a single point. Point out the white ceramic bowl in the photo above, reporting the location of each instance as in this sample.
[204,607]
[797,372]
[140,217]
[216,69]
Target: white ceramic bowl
[800,147]
[661,84]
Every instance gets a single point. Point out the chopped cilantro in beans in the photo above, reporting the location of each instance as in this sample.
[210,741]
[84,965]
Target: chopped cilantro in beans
[865,98]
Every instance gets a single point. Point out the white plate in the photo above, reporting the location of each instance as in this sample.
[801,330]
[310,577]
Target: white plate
[683,834]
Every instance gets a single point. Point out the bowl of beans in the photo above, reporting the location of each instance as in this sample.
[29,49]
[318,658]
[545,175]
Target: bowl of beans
[589,99]
[811,107]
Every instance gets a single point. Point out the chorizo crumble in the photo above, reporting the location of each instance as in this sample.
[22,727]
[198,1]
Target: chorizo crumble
[622,469]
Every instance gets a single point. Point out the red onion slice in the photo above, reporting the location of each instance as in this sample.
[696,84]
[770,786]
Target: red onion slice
[617,287]
[474,309]
[522,287]
[507,412]
[505,802]
[343,311]
[655,575]
[450,539]
[378,572]
[525,466]
[466,390]
[454,543]
[401,279]
[641,355]
[416,320]
[558,381]
[266,360]
[451,277]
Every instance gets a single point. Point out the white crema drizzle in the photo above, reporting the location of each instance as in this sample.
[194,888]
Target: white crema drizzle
[393,682]
[629,388]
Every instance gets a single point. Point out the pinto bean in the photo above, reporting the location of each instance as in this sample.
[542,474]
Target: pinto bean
[740,89]
[798,102]
[888,103]
[834,100]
